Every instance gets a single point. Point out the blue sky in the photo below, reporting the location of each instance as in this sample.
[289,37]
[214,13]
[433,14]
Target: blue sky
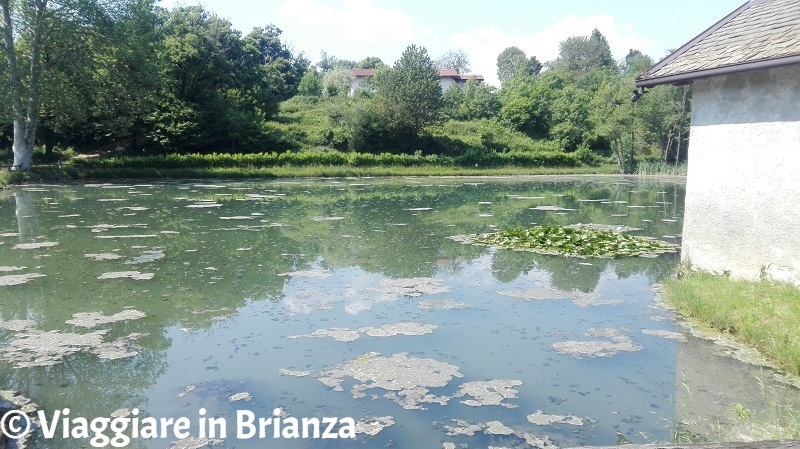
[355,29]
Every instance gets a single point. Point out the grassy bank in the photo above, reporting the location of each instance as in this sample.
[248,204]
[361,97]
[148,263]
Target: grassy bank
[764,315]
[121,171]
[761,314]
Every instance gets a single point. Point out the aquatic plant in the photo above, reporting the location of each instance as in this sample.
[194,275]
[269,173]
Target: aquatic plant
[574,241]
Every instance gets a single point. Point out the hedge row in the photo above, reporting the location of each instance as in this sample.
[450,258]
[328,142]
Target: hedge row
[332,158]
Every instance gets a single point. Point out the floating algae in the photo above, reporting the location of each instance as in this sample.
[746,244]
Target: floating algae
[187,390]
[92,319]
[466,428]
[491,392]
[35,245]
[390,330]
[317,274]
[411,286]
[552,208]
[539,294]
[442,304]
[386,330]
[38,348]
[243,396]
[573,241]
[665,334]
[406,379]
[147,256]
[136,275]
[129,236]
[103,256]
[18,279]
[497,428]
[7,269]
[373,426]
[338,334]
[196,443]
[288,372]
[17,325]
[327,218]
[598,348]
[541,419]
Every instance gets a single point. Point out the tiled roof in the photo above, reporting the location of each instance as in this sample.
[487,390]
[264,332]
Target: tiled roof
[760,33]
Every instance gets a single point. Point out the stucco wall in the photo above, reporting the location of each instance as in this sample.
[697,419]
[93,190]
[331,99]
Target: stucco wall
[743,186]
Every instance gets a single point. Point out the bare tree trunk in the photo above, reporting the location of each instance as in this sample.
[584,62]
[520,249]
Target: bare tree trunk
[665,148]
[620,154]
[26,116]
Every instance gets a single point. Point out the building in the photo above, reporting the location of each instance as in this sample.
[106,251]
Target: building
[447,78]
[742,214]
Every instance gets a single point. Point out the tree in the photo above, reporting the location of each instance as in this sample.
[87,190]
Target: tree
[473,101]
[635,63]
[310,84]
[409,95]
[219,87]
[275,61]
[336,82]
[372,62]
[39,32]
[513,61]
[457,61]
[582,53]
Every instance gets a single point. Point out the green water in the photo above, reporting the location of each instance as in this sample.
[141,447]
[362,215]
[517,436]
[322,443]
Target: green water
[220,306]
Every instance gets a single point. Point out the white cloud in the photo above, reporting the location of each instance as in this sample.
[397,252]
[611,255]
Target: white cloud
[484,44]
[356,22]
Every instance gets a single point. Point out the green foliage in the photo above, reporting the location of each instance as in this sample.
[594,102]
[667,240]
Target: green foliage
[584,53]
[372,62]
[409,96]
[513,62]
[659,167]
[473,101]
[573,241]
[336,82]
[310,84]
[761,314]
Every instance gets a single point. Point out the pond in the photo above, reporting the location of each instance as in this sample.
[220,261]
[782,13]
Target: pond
[347,298]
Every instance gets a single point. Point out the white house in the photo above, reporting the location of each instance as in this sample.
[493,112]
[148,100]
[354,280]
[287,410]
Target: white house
[447,78]
[742,213]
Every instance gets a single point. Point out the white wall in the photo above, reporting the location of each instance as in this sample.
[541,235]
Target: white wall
[743,186]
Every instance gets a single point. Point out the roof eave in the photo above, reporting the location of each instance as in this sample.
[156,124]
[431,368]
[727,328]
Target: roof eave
[675,54]
[687,77]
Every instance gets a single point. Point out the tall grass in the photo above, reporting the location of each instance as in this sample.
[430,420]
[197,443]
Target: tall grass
[761,314]
[648,167]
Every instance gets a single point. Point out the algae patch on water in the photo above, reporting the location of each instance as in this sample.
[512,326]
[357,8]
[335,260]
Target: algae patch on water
[574,241]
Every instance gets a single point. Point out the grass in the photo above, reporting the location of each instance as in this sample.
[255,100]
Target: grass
[761,314]
[647,167]
[77,173]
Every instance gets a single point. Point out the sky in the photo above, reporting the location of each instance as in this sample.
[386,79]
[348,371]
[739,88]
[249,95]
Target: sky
[356,29]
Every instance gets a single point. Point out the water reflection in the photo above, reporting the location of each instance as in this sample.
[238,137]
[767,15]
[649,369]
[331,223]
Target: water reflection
[237,268]
[27,219]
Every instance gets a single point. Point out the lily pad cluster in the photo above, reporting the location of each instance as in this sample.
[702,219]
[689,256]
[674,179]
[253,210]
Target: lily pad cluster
[573,241]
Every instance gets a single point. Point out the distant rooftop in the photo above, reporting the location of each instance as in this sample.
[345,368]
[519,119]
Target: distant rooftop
[759,34]
[361,73]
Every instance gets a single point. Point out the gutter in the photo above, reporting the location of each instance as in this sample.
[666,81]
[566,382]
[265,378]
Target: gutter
[687,77]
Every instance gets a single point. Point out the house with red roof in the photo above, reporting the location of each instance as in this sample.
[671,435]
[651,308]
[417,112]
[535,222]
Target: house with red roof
[447,78]
[742,211]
